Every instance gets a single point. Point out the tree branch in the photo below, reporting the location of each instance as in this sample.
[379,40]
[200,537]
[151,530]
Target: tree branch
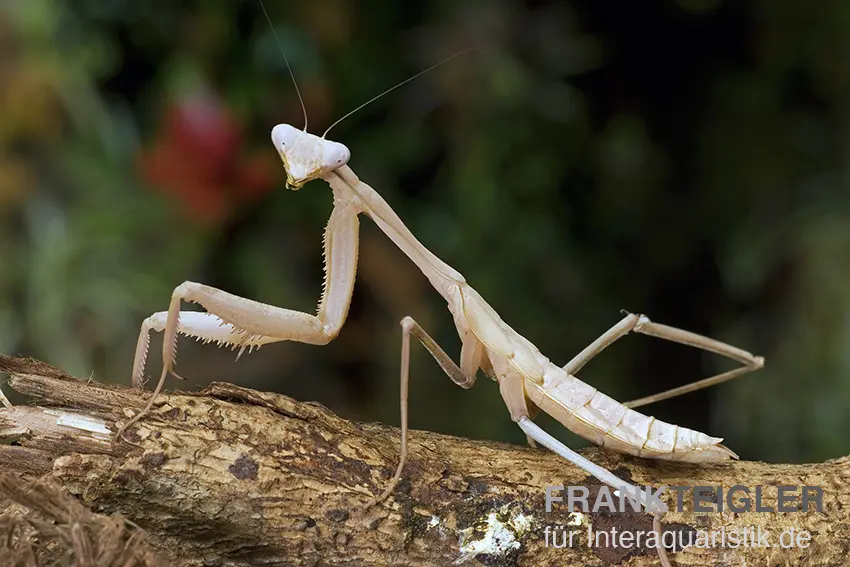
[232,476]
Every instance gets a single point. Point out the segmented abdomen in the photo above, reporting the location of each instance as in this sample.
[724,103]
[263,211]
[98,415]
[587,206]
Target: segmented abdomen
[580,407]
[588,412]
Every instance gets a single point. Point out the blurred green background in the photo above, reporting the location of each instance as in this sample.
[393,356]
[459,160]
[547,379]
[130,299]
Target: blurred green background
[687,160]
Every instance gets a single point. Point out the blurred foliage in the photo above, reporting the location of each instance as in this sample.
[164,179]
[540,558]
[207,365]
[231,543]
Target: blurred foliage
[685,159]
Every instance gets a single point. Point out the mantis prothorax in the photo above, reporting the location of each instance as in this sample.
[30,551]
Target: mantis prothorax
[526,378]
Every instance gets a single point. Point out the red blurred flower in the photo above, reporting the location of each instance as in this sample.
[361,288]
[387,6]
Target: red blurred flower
[197,157]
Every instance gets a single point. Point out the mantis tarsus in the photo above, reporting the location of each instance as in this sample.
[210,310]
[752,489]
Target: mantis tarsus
[526,378]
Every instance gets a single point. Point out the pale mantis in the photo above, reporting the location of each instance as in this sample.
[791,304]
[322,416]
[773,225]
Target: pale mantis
[526,378]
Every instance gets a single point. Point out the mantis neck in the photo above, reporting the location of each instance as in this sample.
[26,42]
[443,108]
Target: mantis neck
[443,277]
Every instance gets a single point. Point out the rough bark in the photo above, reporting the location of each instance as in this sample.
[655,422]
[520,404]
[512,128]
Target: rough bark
[231,476]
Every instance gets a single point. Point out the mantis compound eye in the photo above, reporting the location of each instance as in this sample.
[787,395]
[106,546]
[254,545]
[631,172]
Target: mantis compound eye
[284,136]
[335,155]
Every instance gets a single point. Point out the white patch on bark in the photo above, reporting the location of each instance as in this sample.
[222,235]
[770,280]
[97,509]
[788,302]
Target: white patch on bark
[496,536]
[79,421]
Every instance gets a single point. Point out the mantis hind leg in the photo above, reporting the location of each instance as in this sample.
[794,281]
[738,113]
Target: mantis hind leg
[642,324]
[535,432]
[463,375]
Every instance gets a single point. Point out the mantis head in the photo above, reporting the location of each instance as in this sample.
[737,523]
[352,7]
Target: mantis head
[306,156]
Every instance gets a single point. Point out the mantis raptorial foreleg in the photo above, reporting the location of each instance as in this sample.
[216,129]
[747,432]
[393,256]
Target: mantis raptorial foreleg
[242,323]
[642,324]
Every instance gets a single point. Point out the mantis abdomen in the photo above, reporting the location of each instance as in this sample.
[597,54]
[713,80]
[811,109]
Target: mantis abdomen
[586,411]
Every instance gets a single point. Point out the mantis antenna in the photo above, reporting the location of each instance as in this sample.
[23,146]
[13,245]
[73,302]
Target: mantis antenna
[368,102]
[288,66]
[401,84]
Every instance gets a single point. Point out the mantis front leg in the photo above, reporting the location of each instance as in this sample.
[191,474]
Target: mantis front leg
[243,323]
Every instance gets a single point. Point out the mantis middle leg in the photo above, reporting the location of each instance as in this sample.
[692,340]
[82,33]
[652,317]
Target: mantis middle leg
[244,323]
[463,375]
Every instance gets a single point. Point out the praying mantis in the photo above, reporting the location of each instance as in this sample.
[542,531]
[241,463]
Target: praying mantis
[527,379]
